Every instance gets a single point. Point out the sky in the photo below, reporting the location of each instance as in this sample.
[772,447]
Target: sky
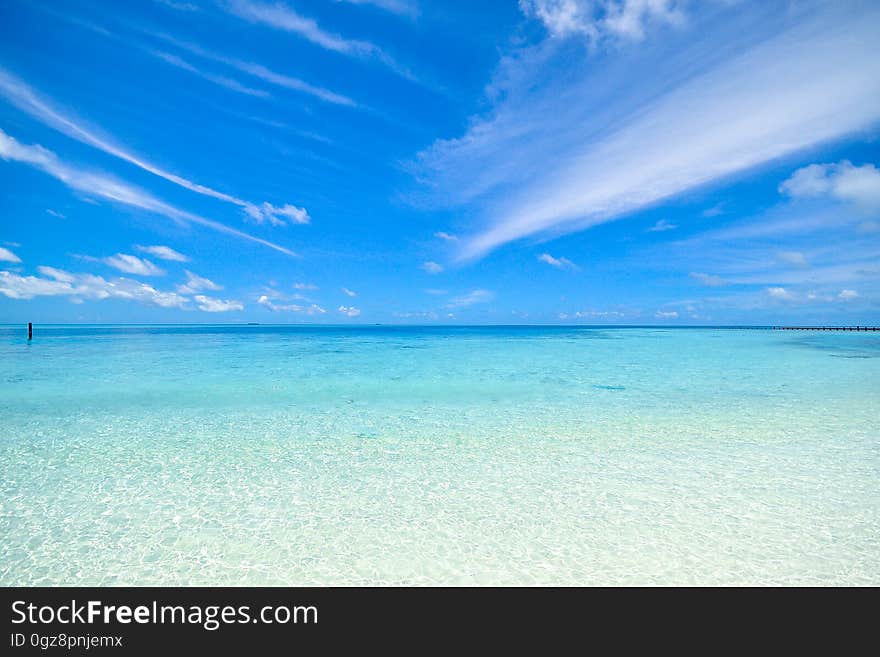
[650,162]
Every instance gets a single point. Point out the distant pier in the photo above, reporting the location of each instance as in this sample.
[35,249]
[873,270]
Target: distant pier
[826,328]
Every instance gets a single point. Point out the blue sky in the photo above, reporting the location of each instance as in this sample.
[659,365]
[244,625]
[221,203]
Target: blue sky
[409,161]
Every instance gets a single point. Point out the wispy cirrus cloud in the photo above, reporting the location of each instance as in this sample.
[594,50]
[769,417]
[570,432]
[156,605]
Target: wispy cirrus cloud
[219,80]
[661,226]
[559,263]
[269,302]
[281,17]
[432,267]
[562,150]
[709,280]
[259,71]
[19,94]
[99,185]
[471,298]
[408,8]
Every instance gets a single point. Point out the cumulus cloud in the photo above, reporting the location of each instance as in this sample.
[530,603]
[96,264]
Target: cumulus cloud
[99,185]
[847,295]
[666,314]
[432,267]
[276,216]
[779,293]
[559,263]
[195,283]
[79,286]
[618,20]
[162,252]
[349,311]
[304,286]
[133,265]
[8,256]
[347,292]
[471,298]
[212,305]
[842,181]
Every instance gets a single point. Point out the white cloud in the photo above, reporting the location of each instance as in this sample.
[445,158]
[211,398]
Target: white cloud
[432,267]
[53,213]
[666,314]
[779,293]
[446,237]
[195,283]
[212,305]
[220,80]
[26,99]
[471,298]
[847,295]
[162,252]
[795,258]
[132,265]
[563,150]
[348,292]
[79,286]
[261,72]
[8,256]
[304,286]
[661,226]
[408,8]
[559,263]
[313,309]
[281,17]
[109,188]
[842,181]
[287,82]
[709,280]
[715,211]
[603,20]
[349,311]
[276,215]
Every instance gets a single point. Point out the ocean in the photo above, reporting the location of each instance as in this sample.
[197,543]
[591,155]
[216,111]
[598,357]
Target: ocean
[331,455]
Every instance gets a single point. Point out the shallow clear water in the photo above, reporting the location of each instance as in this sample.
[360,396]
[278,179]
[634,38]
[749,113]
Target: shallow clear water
[330,455]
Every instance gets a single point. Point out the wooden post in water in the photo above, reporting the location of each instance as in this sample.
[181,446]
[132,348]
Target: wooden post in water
[30,330]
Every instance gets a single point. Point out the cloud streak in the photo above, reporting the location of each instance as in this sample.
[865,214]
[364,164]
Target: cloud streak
[561,152]
[19,94]
[281,17]
[111,189]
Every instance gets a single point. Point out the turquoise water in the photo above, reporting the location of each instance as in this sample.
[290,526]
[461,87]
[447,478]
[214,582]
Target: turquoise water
[378,455]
